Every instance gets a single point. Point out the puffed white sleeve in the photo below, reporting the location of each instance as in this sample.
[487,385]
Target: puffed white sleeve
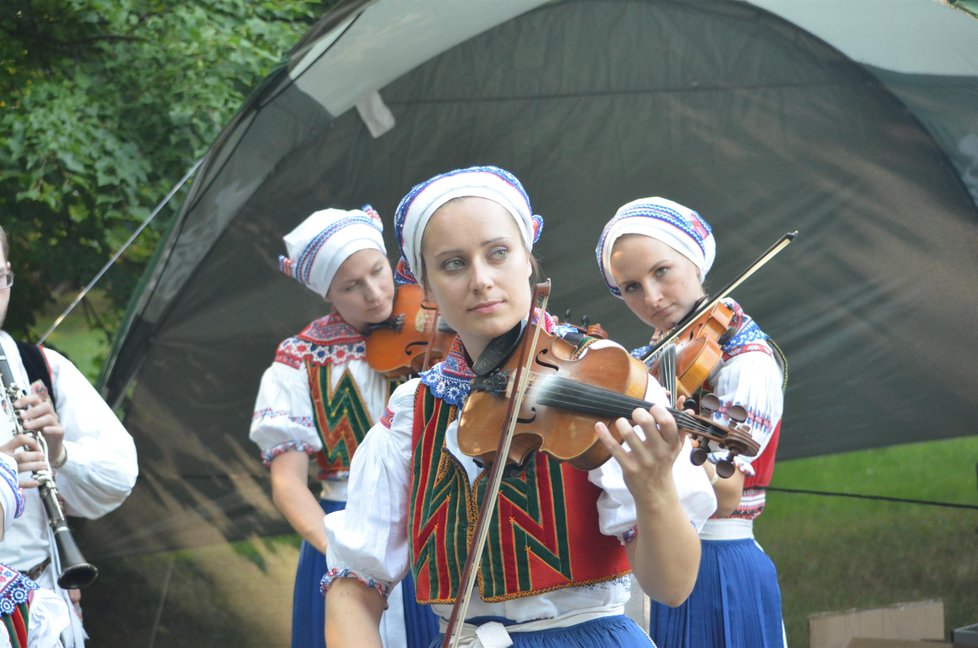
[616,507]
[101,469]
[753,381]
[283,418]
[11,496]
[368,539]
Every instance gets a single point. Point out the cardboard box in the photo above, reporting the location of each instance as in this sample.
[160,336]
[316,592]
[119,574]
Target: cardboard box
[917,621]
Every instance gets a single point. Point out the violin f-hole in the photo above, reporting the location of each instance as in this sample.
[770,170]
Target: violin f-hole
[541,362]
[409,348]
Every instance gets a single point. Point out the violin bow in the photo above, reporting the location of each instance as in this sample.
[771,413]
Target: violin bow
[678,330]
[453,632]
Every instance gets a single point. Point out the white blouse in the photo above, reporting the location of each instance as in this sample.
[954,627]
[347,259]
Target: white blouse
[283,417]
[753,381]
[101,468]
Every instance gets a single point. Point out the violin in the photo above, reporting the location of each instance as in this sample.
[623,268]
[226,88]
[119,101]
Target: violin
[684,358]
[412,339]
[565,397]
[686,367]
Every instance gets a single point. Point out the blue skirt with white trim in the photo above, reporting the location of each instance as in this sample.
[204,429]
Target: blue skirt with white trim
[606,632]
[736,602]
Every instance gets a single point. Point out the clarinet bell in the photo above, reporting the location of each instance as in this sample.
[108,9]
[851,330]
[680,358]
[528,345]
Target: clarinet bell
[76,572]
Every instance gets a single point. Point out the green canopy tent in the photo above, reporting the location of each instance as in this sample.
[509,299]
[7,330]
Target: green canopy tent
[852,124]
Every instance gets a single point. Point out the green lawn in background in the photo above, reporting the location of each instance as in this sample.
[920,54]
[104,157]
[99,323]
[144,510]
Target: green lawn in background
[74,337]
[837,553]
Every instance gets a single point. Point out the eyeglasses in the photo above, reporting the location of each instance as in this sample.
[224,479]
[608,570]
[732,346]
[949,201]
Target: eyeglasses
[6,280]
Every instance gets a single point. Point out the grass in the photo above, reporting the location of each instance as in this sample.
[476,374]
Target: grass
[838,553]
[832,554]
[74,337]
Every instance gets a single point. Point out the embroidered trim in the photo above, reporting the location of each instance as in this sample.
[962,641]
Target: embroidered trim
[629,535]
[336,572]
[15,589]
[387,420]
[342,419]
[327,340]
[10,478]
[268,412]
[746,331]
[268,455]
[451,379]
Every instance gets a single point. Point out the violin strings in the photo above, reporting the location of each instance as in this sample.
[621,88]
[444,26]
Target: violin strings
[588,399]
[668,370]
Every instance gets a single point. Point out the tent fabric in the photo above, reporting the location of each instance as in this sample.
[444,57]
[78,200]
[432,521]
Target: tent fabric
[755,122]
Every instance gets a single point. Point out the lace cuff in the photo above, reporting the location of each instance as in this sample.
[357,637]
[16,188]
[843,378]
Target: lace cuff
[383,588]
[629,535]
[282,448]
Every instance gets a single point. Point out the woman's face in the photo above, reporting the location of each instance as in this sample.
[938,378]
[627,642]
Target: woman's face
[477,270]
[658,284]
[362,291]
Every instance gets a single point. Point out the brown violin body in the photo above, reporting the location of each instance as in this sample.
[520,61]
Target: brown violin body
[411,340]
[565,397]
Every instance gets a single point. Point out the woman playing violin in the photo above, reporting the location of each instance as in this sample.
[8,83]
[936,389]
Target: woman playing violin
[655,254]
[555,571]
[319,397]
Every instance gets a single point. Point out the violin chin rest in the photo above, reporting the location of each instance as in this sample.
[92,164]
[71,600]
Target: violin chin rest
[498,350]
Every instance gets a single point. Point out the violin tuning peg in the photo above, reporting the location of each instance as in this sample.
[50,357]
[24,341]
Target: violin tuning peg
[585,320]
[698,456]
[691,404]
[737,413]
[709,403]
[725,467]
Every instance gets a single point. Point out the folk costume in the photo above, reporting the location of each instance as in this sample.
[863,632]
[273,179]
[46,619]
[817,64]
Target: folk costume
[554,571]
[736,602]
[29,615]
[98,473]
[320,397]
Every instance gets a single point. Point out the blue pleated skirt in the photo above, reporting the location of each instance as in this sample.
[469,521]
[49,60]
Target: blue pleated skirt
[736,602]
[309,611]
[606,632]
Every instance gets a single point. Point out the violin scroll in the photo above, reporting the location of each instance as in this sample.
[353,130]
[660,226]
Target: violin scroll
[737,440]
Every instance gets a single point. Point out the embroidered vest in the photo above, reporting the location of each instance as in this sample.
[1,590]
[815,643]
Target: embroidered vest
[341,416]
[544,534]
[16,591]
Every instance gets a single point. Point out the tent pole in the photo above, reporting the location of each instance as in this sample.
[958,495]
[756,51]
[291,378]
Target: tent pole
[115,257]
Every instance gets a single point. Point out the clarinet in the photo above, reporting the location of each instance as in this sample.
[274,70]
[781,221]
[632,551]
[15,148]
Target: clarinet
[76,572]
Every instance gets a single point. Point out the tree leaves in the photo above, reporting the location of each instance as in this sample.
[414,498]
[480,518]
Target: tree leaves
[104,105]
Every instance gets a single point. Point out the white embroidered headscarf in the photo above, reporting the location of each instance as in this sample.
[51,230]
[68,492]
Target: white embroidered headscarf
[424,199]
[323,241]
[679,227]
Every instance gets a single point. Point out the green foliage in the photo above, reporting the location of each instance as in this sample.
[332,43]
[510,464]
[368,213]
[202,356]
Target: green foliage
[838,553]
[104,106]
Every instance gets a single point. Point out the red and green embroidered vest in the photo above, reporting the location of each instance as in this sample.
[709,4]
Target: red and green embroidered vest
[16,592]
[544,535]
[341,416]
